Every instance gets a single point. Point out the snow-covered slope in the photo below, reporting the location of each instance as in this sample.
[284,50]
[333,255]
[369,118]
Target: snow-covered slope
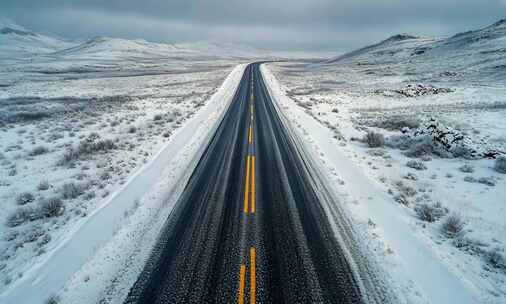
[478,37]
[105,47]
[18,42]
[478,53]
[100,46]
[397,47]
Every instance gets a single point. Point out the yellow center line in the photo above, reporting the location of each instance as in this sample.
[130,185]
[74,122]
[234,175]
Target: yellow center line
[253,277]
[246,188]
[250,135]
[242,282]
[253,207]
[250,170]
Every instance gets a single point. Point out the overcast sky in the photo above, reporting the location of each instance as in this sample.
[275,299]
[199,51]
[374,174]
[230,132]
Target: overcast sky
[325,25]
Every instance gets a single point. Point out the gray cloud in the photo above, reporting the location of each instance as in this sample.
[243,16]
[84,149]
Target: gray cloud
[281,24]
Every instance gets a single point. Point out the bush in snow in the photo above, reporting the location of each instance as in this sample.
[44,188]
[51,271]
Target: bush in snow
[69,156]
[88,146]
[43,185]
[158,117]
[105,175]
[132,129]
[416,165]
[463,152]
[25,198]
[500,164]
[71,190]
[51,207]
[420,90]
[410,176]
[401,199]
[21,216]
[453,225]
[470,179]
[32,235]
[38,151]
[424,146]
[489,181]
[53,300]
[496,259]
[430,213]
[93,144]
[472,246]
[374,140]
[29,115]
[55,136]
[90,195]
[397,122]
[12,172]
[405,189]
[433,137]
[416,146]
[467,168]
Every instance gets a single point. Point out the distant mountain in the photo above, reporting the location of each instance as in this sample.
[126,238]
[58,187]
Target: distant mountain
[8,30]
[406,46]
[395,45]
[495,31]
[105,47]
[480,52]
[17,42]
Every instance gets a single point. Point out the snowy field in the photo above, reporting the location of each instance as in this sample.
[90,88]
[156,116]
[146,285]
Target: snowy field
[413,132]
[79,121]
[98,138]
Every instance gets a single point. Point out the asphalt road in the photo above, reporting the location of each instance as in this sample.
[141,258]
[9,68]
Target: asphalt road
[249,226]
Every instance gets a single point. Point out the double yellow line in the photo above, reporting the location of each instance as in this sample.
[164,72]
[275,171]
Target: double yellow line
[249,207]
[250,168]
[250,180]
[252,277]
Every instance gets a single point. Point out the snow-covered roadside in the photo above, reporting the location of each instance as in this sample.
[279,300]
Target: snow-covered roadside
[415,268]
[83,139]
[129,215]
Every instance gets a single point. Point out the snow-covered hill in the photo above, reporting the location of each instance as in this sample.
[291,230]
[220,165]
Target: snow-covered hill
[26,55]
[478,53]
[18,42]
[105,47]
[101,46]
[397,47]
